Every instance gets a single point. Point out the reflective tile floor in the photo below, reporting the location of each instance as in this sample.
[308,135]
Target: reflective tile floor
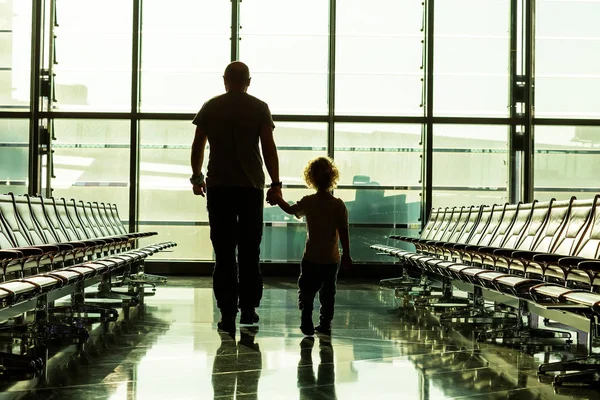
[377,351]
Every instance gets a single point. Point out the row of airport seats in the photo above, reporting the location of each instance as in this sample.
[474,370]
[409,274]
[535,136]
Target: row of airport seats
[52,248]
[542,253]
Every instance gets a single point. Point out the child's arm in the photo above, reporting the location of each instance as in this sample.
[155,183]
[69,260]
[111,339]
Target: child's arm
[345,239]
[286,207]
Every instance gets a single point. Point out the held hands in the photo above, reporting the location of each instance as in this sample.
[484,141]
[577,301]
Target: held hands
[199,189]
[274,195]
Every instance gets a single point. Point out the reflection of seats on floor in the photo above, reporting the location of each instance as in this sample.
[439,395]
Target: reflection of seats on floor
[528,260]
[55,250]
[451,361]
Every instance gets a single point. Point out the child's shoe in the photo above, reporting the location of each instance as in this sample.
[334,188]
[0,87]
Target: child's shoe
[306,324]
[323,328]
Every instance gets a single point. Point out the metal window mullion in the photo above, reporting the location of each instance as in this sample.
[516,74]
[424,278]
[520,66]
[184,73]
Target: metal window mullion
[52,21]
[427,202]
[331,80]
[235,30]
[528,148]
[134,121]
[513,169]
[34,172]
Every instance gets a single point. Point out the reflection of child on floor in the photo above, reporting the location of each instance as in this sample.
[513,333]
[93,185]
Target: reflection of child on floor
[327,222]
[323,385]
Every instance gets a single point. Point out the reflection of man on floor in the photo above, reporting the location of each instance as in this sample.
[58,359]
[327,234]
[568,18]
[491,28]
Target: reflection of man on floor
[237,366]
[323,386]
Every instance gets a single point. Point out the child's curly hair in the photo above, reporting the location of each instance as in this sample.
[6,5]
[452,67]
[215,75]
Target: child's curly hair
[321,174]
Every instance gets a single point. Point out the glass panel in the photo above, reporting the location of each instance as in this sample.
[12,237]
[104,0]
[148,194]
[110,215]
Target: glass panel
[379,53]
[164,180]
[567,81]
[287,57]
[91,162]
[298,143]
[15,54]
[185,49]
[470,165]
[379,154]
[14,155]
[380,182]
[193,241]
[165,172]
[388,208]
[472,55]
[565,160]
[284,235]
[93,54]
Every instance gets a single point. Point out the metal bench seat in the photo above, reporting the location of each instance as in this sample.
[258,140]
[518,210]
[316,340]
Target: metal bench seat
[14,291]
[515,285]
[588,299]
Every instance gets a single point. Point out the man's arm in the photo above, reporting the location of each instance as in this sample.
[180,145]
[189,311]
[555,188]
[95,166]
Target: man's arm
[345,240]
[197,158]
[269,150]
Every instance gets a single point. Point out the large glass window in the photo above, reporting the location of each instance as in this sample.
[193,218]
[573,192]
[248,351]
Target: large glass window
[167,204]
[567,79]
[185,49]
[15,54]
[471,57]
[297,144]
[91,162]
[93,55]
[379,57]
[470,165]
[164,180]
[565,161]
[285,46]
[380,181]
[14,158]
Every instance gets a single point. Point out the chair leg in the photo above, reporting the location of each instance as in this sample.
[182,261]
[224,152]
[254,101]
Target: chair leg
[579,371]
[19,367]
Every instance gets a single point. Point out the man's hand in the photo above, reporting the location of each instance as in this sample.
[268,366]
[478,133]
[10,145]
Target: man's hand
[273,194]
[346,261]
[199,189]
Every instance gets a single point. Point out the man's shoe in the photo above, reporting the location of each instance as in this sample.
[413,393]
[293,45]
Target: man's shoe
[323,329]
[249,317]
[306,325]
[226,324]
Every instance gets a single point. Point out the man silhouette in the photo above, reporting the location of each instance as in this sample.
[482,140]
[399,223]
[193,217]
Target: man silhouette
[234,124]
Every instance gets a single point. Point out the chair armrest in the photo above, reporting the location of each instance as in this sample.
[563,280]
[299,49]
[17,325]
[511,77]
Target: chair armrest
[528,255]
[446,245]
[589,265]
[30,251]
[471,247]
[571,261]
[47,248]
[548,257]
[10,254]
[505,252]
[64,246]
[487,249]
[78,244]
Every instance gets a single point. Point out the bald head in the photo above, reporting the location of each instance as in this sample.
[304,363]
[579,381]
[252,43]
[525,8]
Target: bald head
[237,76]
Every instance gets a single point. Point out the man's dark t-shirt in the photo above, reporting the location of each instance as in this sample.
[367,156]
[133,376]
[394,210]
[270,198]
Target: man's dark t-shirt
[232,123]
